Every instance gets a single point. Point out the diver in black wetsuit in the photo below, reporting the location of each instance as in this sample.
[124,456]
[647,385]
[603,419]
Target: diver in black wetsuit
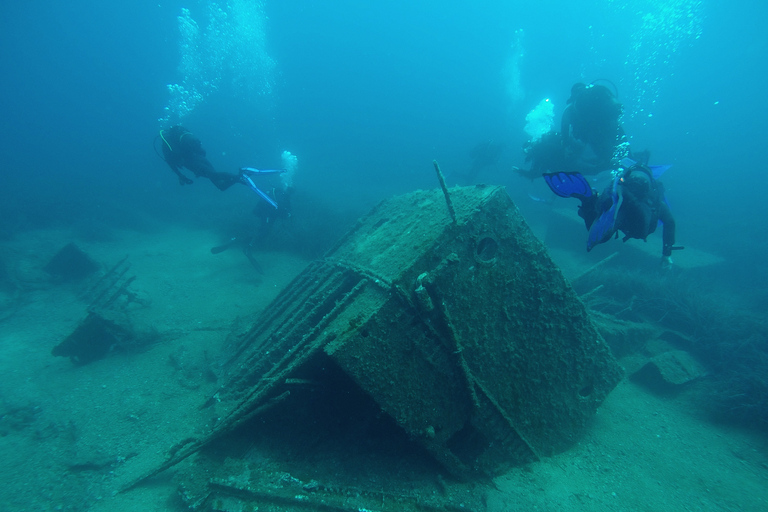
[640,205]
[182,149]
[633,204]
[592,120]
[269,216]
[278,211]
[591,139]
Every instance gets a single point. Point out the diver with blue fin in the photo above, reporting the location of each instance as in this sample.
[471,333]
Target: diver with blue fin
[633,203]
[590,127]
[246,175]
[275,207]
[182,150]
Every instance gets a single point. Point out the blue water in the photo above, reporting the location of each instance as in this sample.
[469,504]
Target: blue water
[366,94]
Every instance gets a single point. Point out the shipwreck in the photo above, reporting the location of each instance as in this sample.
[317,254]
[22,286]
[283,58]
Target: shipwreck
[440,314]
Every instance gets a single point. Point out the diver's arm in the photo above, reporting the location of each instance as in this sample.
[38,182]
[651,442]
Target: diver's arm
[183,180]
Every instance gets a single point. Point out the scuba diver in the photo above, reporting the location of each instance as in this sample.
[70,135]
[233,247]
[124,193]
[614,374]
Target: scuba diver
[270,216]
[182,149]
[546,154]
[633,204]
[591,139]
[276,208]
[591,121]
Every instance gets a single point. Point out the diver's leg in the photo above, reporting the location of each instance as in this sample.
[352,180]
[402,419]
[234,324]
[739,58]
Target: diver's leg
[248,251]
[589,209]
[223,180]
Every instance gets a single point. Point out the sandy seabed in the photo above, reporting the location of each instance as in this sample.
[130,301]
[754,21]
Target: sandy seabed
[70,435]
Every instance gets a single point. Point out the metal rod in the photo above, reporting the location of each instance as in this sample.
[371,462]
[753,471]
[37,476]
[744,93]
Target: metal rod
[441,179]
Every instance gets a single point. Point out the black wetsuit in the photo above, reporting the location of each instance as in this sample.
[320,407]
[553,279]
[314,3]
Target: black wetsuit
[593,117]
[270,215]
[642,207]
[182,149]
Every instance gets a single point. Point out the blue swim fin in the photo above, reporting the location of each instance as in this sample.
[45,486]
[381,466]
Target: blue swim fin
[261,193]
[658,170]
[568,184]
[251,171]
[603,228]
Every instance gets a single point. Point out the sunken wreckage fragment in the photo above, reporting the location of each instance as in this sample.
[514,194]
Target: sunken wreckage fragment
[463,331]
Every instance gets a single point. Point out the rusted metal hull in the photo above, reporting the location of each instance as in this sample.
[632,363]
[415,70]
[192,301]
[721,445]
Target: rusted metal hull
[466,333]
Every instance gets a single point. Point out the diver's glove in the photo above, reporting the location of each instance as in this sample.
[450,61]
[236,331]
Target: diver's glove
[183,180]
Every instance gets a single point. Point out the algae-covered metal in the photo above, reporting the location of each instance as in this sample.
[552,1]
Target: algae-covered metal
[464,332]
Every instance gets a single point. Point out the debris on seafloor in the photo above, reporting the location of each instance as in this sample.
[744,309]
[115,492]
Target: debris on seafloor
[106,326]
[94,337]
[71,264]
[669,370]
